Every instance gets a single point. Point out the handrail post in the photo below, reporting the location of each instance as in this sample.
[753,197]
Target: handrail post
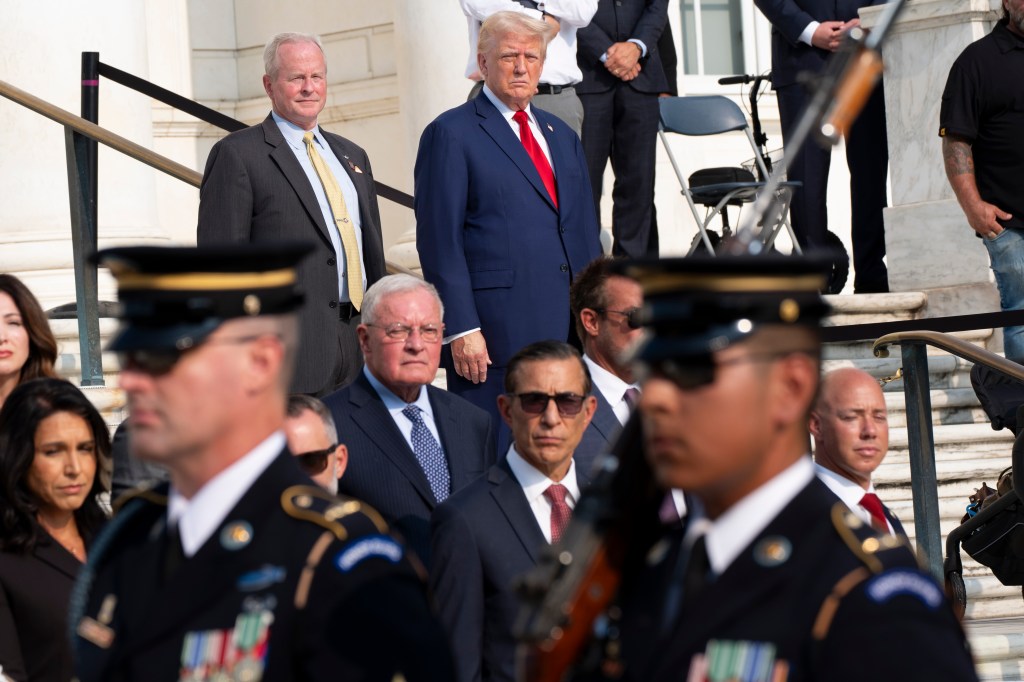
[91,113]
[923,479]
[83,242]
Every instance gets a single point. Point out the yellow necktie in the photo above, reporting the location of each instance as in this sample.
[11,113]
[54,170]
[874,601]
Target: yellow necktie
[353,266]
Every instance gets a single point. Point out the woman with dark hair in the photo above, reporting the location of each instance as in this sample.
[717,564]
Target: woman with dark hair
[27,347]
[54,455]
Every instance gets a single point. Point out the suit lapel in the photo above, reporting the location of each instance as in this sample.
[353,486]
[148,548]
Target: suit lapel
[897,526]
[495,125]
[450,425]
[605,421]
[358,179]
[512,501]
[373,418]
[50,552]
[284,157]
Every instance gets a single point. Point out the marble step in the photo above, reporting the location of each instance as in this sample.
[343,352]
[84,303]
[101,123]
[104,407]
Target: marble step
[998,647]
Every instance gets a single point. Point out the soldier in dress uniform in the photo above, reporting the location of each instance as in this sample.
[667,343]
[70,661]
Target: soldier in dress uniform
[774,578]
[241,568]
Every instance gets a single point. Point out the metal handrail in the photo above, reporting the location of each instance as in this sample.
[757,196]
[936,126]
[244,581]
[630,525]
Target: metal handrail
[102,135]
[920,434]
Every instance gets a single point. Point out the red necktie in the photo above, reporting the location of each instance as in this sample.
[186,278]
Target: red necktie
[871,502]
[560,511]
[536,155]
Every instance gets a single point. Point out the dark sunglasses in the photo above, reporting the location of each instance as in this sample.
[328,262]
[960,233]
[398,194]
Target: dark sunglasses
[315,461]
[568,404]
[632,315]
[158,362]
[701,372]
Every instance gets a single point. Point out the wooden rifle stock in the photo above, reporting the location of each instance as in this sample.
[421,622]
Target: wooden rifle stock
[863,68]
[575,580]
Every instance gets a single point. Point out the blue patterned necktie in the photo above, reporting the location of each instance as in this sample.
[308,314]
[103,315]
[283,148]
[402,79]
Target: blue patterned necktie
[429,454]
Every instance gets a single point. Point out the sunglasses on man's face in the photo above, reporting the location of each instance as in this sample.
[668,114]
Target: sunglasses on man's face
[568,404]
[315,461]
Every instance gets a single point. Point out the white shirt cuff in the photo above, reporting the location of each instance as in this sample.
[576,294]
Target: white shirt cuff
[808,34]
[449,339]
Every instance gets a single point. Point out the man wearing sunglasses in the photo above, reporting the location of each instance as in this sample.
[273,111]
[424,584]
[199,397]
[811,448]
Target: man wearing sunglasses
[411,444]
[313,440]
[491,532]
[605,309]
[210,577]
[773,567]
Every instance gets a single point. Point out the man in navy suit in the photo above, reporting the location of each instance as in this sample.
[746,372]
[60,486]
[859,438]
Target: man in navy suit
[604,308]
[804,34]
[504,213]
[850,425]
[622,78]
[410,444]
[491,532]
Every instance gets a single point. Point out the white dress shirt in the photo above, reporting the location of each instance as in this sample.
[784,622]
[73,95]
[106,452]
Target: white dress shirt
[508,113]
[612,388]
[534,484]
[293,137]
[733,531]
[395,405]
[197,518]
[850,492]
[560,67]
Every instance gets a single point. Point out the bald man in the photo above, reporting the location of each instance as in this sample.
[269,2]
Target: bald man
[850,425]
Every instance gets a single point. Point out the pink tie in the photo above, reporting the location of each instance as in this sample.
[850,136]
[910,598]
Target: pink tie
[537,155]
[871,502]
[560,511]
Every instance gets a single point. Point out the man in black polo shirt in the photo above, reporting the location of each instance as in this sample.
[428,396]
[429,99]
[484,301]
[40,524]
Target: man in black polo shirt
[980,124]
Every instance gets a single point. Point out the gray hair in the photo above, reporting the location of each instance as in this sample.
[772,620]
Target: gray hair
[395,284]
[300,402]
[501,24]
[274,44]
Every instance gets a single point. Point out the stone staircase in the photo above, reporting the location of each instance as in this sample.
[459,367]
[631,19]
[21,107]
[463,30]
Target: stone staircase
[967,452]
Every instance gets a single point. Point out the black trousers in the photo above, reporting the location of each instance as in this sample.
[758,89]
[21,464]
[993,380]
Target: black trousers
[867,155]
[622,124]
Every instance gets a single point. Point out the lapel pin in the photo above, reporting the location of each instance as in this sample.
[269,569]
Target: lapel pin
[236,535]
[773,551]
[355,168]
[551,128]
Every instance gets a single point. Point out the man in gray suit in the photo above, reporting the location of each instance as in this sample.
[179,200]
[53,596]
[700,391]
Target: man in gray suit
[604,308]
[288,179]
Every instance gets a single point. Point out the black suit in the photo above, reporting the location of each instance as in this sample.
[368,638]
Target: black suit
[484,537]
[620,118]
[890,622]
[599,435]
[254,190]
[34,593]
[867,152]
[382,469]
[343,600]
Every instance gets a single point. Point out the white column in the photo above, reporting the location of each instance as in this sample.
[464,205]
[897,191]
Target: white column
[928,241]
[432,46]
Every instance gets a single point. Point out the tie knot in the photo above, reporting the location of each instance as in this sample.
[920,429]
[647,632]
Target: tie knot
[631,396]
[871,502]
[556,493]
[520,117]
[307,138]
[413,413]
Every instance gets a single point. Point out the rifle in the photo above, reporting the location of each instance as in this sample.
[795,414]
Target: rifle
[574,581]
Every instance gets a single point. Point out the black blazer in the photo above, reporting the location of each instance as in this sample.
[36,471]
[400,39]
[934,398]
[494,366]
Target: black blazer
[774,590]
[599,436]
[364,617]
[34,593]
[484,537]
[382,469]
[617,21]
[254,190]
